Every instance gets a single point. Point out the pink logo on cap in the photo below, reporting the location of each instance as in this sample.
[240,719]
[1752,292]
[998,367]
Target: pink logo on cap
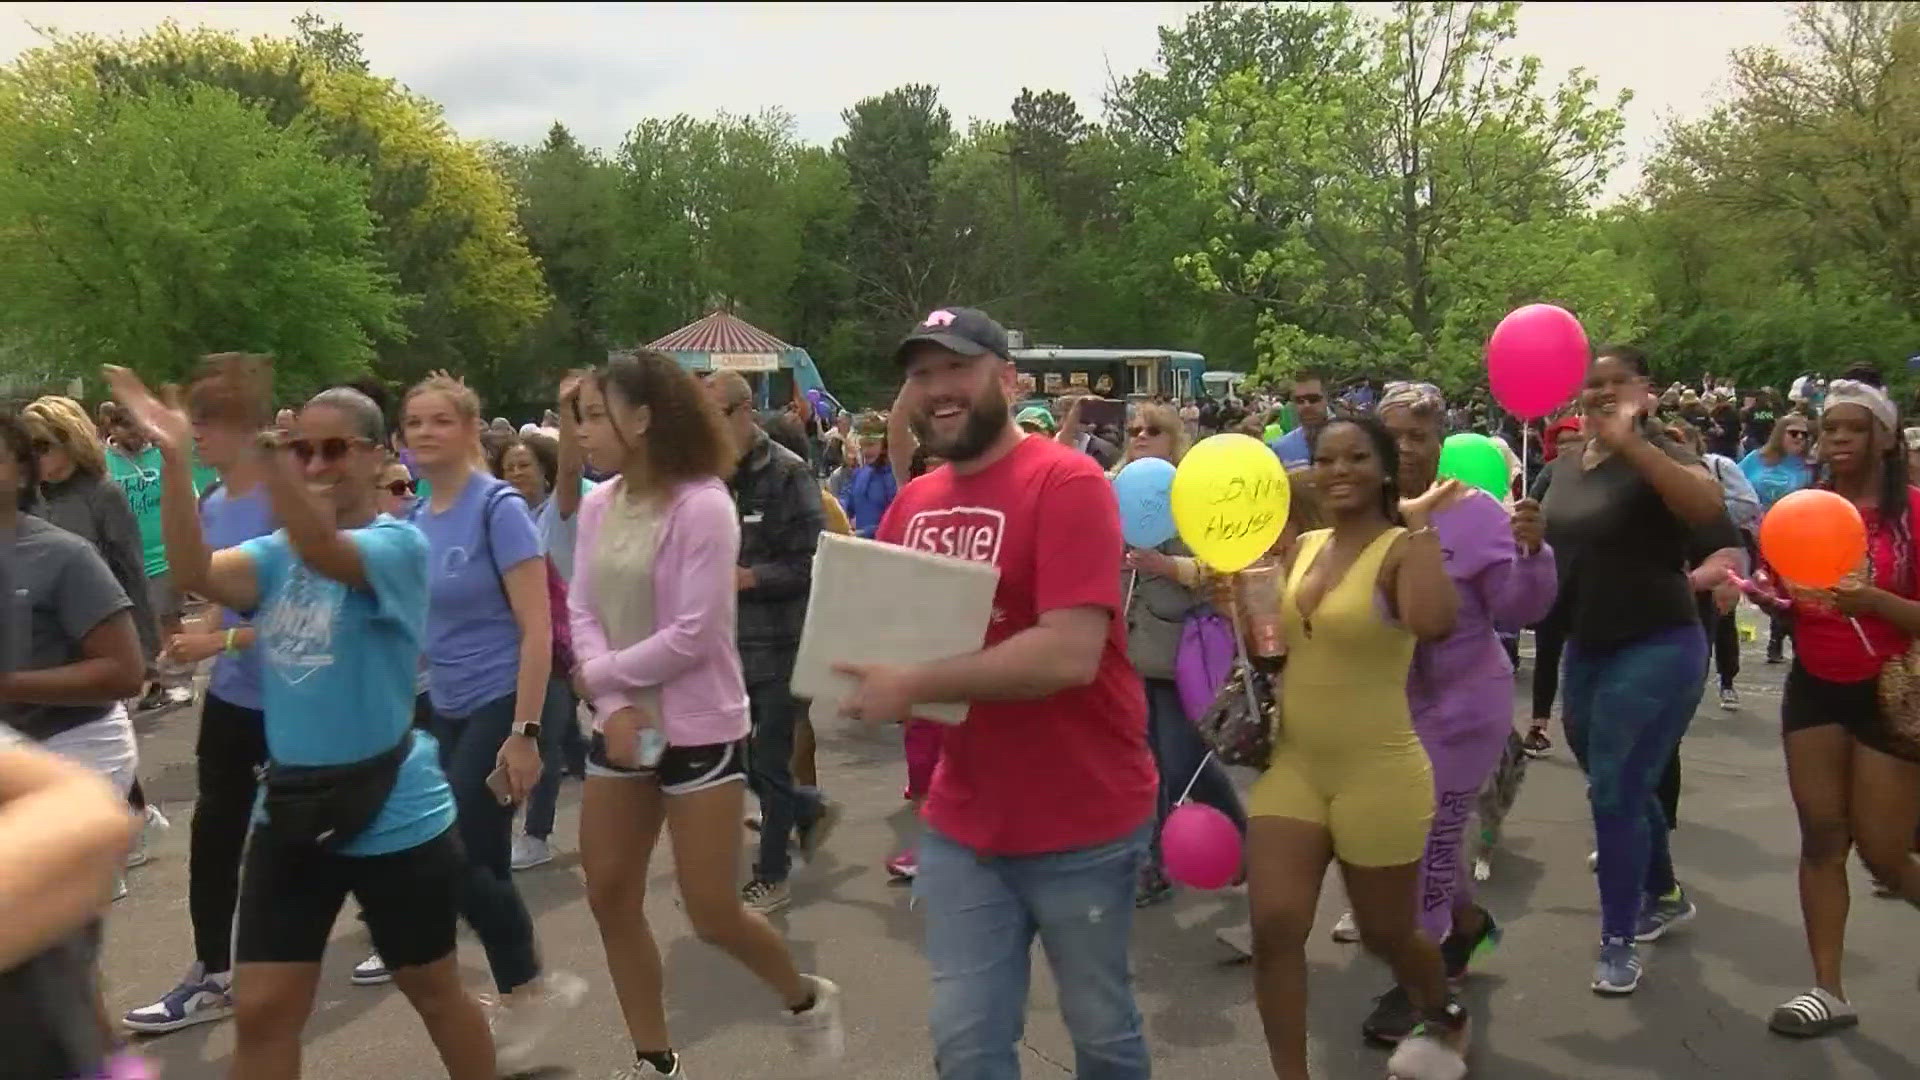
[943,317]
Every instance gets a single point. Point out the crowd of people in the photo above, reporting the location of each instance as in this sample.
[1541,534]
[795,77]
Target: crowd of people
[415,624]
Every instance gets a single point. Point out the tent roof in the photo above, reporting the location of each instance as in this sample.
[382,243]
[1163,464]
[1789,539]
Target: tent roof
[720,332]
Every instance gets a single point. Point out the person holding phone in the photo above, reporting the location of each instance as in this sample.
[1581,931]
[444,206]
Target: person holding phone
[653,608]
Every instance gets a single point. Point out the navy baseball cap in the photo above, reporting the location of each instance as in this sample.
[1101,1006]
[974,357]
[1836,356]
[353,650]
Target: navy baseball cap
[964,330]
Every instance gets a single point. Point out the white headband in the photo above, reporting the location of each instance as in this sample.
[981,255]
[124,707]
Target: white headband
[1871,398]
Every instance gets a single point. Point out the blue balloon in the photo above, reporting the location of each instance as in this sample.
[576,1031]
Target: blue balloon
[1144,489]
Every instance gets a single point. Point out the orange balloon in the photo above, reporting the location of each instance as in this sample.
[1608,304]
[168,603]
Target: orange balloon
[1813,538]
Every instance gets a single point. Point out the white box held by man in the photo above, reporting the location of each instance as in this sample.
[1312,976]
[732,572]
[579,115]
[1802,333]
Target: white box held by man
[876,603]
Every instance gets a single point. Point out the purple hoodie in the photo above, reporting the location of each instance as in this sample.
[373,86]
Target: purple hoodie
[1463,685]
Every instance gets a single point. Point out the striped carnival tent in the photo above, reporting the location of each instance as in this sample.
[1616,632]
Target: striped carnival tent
[722,341]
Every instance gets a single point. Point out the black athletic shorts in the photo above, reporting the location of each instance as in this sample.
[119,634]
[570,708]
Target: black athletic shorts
[290,894]
[682,770]
[1811,701]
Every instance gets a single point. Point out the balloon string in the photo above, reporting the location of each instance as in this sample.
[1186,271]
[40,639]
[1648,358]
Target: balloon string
[1747,586]
[1188,790]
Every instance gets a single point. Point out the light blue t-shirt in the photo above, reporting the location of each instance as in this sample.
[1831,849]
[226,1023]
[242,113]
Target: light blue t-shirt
[1778,480]
[230,521]
[1292,449]
[337,668]
[557,536]
[473,642]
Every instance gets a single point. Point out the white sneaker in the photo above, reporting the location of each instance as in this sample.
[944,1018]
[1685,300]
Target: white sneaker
[530,851]
[818,1037]
[198,999]
[176,696]
[155,824]
[1346,931]
[371,972]
[520,1023]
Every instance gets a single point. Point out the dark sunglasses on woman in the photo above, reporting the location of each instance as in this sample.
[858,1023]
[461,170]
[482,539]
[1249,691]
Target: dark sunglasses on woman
[1143,429]
[329,450]
[399,488]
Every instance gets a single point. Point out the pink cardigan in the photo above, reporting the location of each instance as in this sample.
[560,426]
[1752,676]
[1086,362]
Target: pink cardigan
[691,655]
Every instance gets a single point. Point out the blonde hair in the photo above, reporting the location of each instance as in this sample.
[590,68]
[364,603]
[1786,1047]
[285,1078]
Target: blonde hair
[65,422]
[465,402]
[1167,419]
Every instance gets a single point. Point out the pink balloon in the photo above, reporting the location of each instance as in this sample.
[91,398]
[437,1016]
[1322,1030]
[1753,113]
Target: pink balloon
[1200,847]
[1536,360]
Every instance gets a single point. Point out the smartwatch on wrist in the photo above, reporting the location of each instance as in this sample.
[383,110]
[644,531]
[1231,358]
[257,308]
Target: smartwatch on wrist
[531,729]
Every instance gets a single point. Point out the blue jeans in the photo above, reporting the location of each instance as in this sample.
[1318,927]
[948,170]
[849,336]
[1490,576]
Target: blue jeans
[1178,751]
[784,805]
[982,913]
[489,901]
[1626,709]
[559,736]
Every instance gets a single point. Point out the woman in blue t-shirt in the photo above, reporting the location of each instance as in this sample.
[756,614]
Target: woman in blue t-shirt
[340,601]
[1778,469]
[489,652]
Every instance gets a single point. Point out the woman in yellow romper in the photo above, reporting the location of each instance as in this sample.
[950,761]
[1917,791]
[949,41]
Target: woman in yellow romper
[1349,779]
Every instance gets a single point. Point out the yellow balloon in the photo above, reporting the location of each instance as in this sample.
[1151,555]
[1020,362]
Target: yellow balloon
[1230,499]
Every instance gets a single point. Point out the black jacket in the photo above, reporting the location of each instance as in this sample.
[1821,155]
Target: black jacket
[780,522]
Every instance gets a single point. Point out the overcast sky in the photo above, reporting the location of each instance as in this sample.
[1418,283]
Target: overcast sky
[506,71]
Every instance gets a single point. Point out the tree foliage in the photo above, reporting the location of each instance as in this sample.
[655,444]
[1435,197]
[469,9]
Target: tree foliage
[121,241]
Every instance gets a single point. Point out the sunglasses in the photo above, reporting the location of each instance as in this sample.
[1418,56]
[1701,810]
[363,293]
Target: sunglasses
[1795,434]
[399,488]
[42,446]
[328,450]
[1143,429]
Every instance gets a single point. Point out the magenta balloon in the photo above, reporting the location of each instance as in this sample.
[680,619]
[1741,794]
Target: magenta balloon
[1536,360]
[1200,847]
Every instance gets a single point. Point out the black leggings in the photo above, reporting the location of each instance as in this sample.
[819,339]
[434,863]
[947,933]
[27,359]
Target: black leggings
[232,744]
[1549,638]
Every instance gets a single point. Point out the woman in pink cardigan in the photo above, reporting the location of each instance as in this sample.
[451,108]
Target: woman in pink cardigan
[652,609]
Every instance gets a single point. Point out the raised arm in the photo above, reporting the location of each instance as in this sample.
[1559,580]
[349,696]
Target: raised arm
[224,577]
[1688,490]
[572,465]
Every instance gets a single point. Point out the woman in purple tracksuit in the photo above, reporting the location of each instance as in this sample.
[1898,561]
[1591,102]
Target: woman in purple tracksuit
[1460,689]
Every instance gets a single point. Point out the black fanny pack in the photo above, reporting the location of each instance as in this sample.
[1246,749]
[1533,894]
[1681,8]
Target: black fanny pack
[328,805]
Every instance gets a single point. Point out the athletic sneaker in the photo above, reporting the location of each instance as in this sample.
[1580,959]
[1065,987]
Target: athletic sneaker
[817,1036]
[1461,950]
[905,866]
[1393,1018]
[519,1027]
[1812,1014]
[371,972]
[1345,930]
[766,897]
[640,1070]
[155,824]
[1153,887]
[1663,913]
[811,837]
[1436,1049]
[1729,699]
[199,999]
[1618,969]
[530,851]
[1536,744]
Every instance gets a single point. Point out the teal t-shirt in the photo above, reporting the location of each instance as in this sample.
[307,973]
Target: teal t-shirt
[338,667]
[139,476]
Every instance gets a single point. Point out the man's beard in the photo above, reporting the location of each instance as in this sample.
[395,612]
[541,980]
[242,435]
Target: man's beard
[987,416]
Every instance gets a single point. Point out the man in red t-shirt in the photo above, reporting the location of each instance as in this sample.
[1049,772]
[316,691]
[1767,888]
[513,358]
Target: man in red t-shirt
[1042,806]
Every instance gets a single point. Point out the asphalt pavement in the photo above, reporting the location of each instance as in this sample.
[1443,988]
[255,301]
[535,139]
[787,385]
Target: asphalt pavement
[1701,1009]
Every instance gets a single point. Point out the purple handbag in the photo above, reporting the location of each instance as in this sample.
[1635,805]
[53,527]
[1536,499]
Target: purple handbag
[1204,660]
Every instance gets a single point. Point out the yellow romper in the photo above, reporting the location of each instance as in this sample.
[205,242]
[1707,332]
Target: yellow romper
[1346,756]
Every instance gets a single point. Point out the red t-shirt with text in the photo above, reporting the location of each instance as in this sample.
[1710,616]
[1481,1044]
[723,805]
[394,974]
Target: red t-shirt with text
[1826,642]
[1057,773]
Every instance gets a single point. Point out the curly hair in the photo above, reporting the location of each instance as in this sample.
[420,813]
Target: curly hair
[546,455]
[15,441]
[687,439]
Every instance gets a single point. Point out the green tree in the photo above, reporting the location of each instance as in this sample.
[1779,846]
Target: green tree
[1780,232]
[1396,185]
[566,198]
[150,230]
[446,229]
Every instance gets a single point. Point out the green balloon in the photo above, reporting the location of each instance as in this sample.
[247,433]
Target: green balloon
[1475,461]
